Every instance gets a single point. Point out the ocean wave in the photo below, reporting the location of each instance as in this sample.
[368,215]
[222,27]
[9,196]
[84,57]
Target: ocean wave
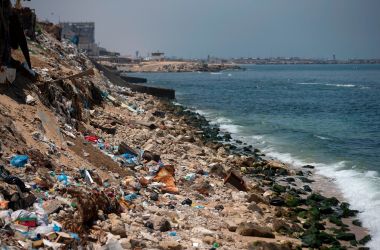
[360,188]
[322,137]
[341,85]
[309,83]
[328,84]
[225,124]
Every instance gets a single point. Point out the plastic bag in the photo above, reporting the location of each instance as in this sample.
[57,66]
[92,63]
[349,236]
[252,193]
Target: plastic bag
[19,160]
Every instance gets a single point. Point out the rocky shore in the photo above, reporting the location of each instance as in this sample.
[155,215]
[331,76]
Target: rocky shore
[85,163]
[180,66]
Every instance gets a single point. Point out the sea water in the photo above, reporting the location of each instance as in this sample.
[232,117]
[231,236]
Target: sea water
[325,115]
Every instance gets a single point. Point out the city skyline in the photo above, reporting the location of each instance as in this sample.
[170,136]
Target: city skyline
[195,29]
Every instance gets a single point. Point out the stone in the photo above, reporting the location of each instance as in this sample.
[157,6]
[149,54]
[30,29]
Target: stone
[365,239]
[254,230]
[165,225]
[117,226]
[262,245]
[252,197]
[30,100]
[219,207]
[202,231]
[208,240]
[170,245]
[268,193]
[307,188]
[125,244]
[346,236]
[255,208]
[280,226]
[277,201]
[217,169]
[154,196]
[308,166]
[232,224]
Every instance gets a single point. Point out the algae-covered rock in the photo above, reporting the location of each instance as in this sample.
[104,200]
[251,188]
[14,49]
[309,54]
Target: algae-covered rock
[346,236]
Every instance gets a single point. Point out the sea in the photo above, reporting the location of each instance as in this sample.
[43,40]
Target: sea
[324,115]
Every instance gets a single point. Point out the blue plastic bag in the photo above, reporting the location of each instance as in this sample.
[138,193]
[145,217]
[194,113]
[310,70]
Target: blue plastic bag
[19,161]
[130,197]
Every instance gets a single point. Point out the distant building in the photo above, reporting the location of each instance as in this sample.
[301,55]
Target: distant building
[157,56]
[82,34]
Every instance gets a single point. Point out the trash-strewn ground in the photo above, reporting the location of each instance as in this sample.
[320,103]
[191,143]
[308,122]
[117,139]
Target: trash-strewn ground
[90,165]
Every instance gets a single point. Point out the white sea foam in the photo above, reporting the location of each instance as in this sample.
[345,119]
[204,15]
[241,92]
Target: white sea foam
[322,137]
[341,85]
[328,84]
[309,83]
[360,188]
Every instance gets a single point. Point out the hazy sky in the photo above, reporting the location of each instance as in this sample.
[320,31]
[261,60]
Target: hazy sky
[228,28]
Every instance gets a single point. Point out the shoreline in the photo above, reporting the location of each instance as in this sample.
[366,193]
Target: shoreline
[320,184]
[127,170]
[171,66]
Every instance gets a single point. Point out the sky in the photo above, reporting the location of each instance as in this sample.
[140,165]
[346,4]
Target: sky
[227,28]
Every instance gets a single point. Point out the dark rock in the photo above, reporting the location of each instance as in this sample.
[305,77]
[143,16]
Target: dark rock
[346,211]
[149,156]
[292,201]
[278,188]
[255,208]
[365,240]
[165,226]
[252,229]
[335,220]
[149,224]
[281,226]
[159,113]
[299,173]
[154,196]
[257,198]
[262,245]
[219,207]
[346,236]
[278,201]
[307,188]
[137,244]
[308,166]
[217,170]
[187,201]
[290,179]
[357,223]
[306,180]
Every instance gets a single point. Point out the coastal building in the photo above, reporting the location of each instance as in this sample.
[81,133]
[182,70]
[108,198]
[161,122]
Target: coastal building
[82,34]
[157,56]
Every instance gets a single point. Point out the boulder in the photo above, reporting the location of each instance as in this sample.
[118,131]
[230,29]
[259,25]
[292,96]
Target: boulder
[165,225]
[117,226]
[262,245]
[254,230]
[170,245]
[255,208]
[252,197]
